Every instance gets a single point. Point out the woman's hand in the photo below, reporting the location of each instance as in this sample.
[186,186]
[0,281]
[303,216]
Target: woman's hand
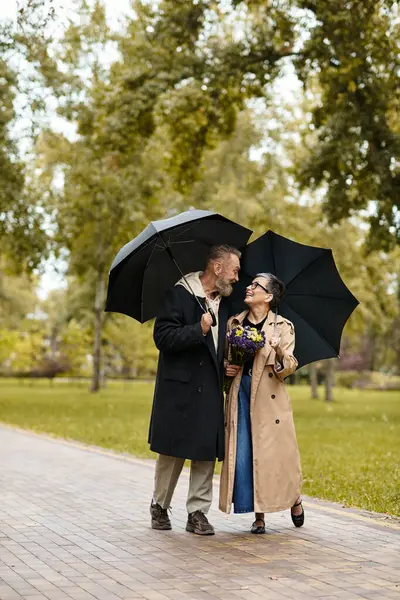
[275,342]
[231,370]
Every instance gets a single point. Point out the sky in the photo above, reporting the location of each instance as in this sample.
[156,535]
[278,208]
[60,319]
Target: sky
[52,276]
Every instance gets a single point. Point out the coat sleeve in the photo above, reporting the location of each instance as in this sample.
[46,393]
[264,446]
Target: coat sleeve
[286,363]
[170,333]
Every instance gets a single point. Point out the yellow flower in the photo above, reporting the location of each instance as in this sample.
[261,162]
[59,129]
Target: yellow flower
[254,335]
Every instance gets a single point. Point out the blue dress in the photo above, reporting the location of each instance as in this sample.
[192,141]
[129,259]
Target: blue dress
[243,487]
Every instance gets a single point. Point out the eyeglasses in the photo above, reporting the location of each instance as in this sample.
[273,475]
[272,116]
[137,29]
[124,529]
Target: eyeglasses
[255,285]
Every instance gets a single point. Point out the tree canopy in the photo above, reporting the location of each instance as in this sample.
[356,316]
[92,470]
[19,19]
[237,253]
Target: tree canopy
[182,107]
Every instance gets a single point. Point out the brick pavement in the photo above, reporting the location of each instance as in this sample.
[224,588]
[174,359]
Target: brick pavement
[74,524]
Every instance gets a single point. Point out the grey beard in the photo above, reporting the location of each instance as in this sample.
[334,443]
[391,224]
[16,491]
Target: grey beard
[223,287]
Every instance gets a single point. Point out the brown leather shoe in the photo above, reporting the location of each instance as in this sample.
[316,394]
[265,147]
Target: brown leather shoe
[159,517]
[198,523]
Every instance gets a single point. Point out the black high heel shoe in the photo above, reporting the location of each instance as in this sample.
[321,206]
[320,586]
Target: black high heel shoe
[258,528]
[298,520]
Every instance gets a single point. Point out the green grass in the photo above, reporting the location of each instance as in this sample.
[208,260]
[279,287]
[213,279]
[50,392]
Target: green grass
[350,449]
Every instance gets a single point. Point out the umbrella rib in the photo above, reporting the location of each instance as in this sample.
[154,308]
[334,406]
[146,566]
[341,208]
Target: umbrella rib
[156,246]
[179,233]
[188,228]
[147,264]
[168,249]
[313,328]
[184,242]
[322,296]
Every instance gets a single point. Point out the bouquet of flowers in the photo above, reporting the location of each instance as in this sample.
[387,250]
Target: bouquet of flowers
[243,344]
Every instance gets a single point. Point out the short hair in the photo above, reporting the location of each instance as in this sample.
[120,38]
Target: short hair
[218,252]
[276,287]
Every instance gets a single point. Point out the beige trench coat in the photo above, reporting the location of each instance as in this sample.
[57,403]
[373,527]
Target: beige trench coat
[276,461]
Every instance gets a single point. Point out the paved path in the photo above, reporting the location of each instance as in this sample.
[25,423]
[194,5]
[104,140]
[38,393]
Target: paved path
[74,524]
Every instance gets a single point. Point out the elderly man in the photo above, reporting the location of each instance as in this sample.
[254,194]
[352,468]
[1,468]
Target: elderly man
[187,420]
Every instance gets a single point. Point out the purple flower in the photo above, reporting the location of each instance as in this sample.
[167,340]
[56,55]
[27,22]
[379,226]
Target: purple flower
[243,343]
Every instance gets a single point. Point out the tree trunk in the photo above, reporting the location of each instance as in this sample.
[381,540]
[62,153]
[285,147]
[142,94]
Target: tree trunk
[372,349]
[314,381]
[98,327]
[134,369]
[329,380]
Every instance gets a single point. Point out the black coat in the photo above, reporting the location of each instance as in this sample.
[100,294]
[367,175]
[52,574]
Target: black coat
[187,419]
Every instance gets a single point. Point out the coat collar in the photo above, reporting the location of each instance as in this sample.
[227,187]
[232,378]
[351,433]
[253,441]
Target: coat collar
[270,319]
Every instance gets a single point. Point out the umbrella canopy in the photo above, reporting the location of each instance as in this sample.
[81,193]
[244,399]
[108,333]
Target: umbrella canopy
[316,300]
[147,266]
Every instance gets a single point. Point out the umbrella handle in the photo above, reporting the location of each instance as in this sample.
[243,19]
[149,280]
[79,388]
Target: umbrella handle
[214,319]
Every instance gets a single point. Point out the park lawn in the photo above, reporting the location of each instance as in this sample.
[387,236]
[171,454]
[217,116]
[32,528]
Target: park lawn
[350,449]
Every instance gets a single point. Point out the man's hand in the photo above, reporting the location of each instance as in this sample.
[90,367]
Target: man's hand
[231,370]
[206,322]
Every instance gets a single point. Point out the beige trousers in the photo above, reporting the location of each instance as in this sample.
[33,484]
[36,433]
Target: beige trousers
[168,469]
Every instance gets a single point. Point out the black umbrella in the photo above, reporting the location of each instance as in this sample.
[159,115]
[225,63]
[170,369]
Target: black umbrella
[316,300]
[147,266]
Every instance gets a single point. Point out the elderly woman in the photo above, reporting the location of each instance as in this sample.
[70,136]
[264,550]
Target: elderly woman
[261,472]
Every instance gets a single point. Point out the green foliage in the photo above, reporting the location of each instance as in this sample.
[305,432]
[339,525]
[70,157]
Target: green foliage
[8,342]
[261,194]
[352,50]
[349,449]
[28,351]
[185,68]
[230,181]
[99,206]
[165,118]
[73,347]
[21,342]
[22,238]
[67,332]
[21,234]
[190,67]
[130,350]
[17,298]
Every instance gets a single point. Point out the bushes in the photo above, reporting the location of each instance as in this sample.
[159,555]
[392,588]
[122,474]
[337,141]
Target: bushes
[348,379]
[370,380]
